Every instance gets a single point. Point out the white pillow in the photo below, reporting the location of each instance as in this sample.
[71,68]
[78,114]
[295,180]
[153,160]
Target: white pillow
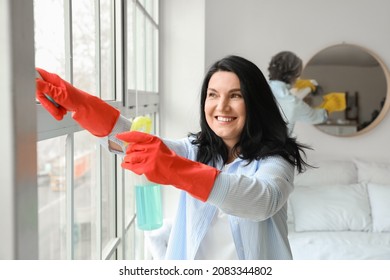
[331,208]
[375,172]
[380,206]
[328,172]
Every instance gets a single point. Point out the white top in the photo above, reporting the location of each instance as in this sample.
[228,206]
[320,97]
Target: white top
[293,108]
[218,242]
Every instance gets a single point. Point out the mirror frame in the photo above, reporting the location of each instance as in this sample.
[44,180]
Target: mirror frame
[386,105]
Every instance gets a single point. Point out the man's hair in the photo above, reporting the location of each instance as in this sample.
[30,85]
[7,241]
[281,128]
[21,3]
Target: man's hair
[285,66]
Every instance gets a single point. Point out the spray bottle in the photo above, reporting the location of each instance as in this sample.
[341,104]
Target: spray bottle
[147,194]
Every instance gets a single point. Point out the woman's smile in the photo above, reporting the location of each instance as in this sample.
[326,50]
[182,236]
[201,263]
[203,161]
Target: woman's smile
[225,119]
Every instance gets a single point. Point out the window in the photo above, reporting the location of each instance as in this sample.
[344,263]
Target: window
[85,200]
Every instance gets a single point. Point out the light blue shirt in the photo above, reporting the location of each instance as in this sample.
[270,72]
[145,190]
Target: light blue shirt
[293,108]
[254,196]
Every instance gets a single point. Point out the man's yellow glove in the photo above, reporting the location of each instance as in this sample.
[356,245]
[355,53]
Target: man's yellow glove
[334,101]
[301,84]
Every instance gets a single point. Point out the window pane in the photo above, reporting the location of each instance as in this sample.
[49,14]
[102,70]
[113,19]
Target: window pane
[130,243]
[108,197]
[107,67]
[94,201]
[140,50]
[155,60]
[155,11]
[142,2]
[52,199]
[149,59]
[151,6]
[85,195]
[130,179]
[49,35]
[84,43]
[131,70]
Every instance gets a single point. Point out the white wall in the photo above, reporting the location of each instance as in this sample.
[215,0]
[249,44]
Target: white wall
[196,33]
[182,52]
[257,29]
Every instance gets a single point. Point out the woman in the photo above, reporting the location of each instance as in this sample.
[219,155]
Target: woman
[236,173]
[284,69]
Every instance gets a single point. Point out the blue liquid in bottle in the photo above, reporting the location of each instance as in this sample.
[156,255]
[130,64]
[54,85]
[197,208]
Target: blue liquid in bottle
[149,207]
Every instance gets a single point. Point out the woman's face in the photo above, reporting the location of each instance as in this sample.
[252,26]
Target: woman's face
[225,107]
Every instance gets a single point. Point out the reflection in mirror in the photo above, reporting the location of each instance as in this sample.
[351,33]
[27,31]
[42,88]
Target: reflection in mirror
[361,75]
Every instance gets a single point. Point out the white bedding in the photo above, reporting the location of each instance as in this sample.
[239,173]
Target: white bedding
[340,211]
[340,245]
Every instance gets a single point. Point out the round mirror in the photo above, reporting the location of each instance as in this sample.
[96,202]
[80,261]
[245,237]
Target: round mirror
[364,79]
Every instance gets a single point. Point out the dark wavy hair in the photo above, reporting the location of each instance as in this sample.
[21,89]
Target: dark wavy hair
[265,132]
[285,66]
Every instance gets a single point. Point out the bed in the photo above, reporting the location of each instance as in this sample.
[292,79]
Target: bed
[341,210]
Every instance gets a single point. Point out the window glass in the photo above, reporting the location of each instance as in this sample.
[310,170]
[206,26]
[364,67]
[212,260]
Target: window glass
[86,193]
[131,70]
[108,197]
[155,59]
[90,214]
[151,6]
[49,35]
[140,50]
[130,243]
[149,56]
[130,179]
[84,43]
[51,198]
[106,50]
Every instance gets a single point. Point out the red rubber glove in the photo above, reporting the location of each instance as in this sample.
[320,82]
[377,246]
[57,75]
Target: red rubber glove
[147,154]
[89,111]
